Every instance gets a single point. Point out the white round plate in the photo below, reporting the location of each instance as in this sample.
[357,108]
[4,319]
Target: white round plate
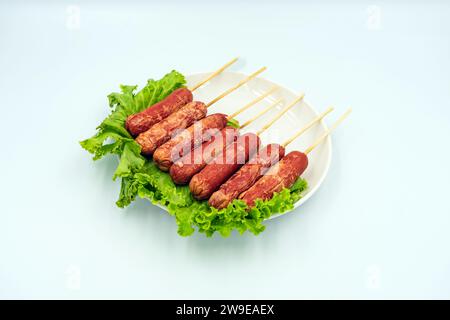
[291,122]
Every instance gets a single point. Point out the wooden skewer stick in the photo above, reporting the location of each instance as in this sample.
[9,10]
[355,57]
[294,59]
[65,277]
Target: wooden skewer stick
[251,103]
[279,115]
[212,75]
[246,123]
[321,138]
[309,125]
[239,84]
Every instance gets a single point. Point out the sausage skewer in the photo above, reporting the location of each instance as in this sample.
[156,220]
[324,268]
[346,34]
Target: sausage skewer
[285,172]
[193,162]
[212,75]
[142,121]
[204,183]
[201,131]
[163,131]
[256,167]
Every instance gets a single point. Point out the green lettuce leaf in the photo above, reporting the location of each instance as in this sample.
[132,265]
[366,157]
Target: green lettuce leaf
[238,216]
[113,138]
[233,123]
[157,186]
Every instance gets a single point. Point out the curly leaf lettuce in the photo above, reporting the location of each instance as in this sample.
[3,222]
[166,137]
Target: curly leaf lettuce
[113,138]
[157,186]
[233,123]
[238,216]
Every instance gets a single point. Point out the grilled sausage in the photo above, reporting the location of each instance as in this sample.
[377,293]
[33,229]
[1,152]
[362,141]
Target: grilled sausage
[246,176]
[281,175]
[204,183]
[189,139]
[163,130]
[185,168]
[142,121]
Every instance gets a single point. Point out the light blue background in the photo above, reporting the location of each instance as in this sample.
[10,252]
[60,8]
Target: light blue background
[379,227]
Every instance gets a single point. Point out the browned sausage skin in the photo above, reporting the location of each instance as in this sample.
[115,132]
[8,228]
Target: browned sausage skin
[204,183]
[281,175]
[193,162]
[142,121]
[246,176]
[189,139]
[163,130]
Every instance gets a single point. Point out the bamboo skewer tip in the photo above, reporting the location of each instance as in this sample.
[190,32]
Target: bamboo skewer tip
[236,86]
[327,133]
